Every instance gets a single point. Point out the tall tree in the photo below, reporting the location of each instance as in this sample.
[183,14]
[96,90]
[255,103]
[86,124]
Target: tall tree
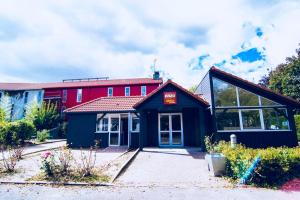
[285,79]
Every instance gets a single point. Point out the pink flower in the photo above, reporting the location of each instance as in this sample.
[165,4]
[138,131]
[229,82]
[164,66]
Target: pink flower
[46,154]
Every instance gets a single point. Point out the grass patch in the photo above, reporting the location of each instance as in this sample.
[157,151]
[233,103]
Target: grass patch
[73,176]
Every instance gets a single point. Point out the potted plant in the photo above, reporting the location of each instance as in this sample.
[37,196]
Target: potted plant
[216,161]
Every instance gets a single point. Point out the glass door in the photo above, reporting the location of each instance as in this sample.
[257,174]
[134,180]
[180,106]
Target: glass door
[170,129]
[114,130]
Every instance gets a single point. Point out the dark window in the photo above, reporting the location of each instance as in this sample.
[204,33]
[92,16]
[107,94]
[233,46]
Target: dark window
[227,119]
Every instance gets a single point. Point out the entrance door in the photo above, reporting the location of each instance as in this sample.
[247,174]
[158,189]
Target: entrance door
[114,130]
[170,129]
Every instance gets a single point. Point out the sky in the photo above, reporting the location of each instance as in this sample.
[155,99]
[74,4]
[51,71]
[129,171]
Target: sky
[51,40]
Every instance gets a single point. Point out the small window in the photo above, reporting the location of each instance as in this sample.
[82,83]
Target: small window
[64,99]
[25,97]
[110,92]
[79,95]
[40,97]
[102,125]
[251,119]
[267,102]
[135,124]
[143,90]
[227,119]
[0,96]
[127,91]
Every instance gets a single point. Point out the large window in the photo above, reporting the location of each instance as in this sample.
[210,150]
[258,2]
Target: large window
[79,95]
[227,119]
[25,98]
[224,93]
[239,109]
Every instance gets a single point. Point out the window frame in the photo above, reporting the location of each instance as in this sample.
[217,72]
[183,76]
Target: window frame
[112,91]
[143,90]
[77,95]
[26,94]
[125,93]
[240,108]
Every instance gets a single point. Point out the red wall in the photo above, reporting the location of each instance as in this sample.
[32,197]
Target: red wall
[90,93]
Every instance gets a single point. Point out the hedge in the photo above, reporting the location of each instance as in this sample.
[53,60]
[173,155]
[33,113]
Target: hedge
[277,165]
[15,133]
[297,121]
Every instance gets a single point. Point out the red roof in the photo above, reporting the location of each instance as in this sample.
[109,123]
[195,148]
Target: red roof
[76,84]
[107,104]
[256,86]
[195,96]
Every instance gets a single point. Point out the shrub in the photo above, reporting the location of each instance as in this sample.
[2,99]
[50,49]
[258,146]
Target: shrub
[277,165]
[87,162]
[42,136]
[65,157]
[15,133]
[8,160]
[44,117]
[48,164]
[2,115]
[297,121]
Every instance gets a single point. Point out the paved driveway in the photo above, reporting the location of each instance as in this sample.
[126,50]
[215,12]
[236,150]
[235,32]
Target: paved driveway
[170,167]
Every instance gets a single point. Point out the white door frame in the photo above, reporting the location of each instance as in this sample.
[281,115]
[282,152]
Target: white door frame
[170,130]
[109,129]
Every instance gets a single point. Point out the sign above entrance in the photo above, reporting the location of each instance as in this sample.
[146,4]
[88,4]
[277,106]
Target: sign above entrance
[170,98]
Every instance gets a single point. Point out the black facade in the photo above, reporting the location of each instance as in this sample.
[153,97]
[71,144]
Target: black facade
[255,139]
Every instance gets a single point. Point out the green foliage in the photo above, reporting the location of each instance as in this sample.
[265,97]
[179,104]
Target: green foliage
[193,88]
[297,121]
[277,165]
[285,78]
[45,117]
[43,135]
[2,115]
[15,133]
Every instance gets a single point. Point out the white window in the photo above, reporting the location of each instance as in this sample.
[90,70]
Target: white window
[64,99]
[135,127]
[143,90]
[79,95]
[110,92]
[102,125]
[127,91]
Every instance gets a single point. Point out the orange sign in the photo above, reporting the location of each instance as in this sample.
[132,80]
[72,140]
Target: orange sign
[170,98]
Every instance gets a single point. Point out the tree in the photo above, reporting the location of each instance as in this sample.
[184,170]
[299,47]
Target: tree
[285,79]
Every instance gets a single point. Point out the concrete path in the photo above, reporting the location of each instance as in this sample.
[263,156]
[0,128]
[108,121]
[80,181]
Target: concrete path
[45,146]
[34,192]
[170,167]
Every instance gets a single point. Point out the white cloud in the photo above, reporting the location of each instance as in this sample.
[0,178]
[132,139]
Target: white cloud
[59,39]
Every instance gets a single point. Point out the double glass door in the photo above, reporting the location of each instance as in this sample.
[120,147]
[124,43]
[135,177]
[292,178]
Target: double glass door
[170,129]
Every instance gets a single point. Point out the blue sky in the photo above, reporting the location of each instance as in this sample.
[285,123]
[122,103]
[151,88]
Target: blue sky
[42,41]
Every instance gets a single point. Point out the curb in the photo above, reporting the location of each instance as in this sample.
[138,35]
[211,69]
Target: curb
[55,183]
[125,165]
[31,153]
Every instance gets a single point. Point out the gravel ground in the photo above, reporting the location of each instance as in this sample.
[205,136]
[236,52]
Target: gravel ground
[30,165]
[170,167]
[34,192]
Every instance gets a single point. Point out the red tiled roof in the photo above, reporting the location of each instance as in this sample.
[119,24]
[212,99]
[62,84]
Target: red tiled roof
[28,86]
[256,86]
[197,97]
[107,104]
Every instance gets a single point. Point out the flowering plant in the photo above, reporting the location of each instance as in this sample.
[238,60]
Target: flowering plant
[48,164]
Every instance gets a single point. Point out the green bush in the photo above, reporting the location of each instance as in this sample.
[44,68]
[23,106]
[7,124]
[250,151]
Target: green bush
[43,135]
[277,165]
[297,121]
[44,117]
[2,115]
[15,133]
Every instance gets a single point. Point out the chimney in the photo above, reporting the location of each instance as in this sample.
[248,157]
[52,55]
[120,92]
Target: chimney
[156,75]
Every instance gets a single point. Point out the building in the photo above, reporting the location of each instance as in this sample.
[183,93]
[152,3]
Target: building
[16,97]
[171,116]
[73,92]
